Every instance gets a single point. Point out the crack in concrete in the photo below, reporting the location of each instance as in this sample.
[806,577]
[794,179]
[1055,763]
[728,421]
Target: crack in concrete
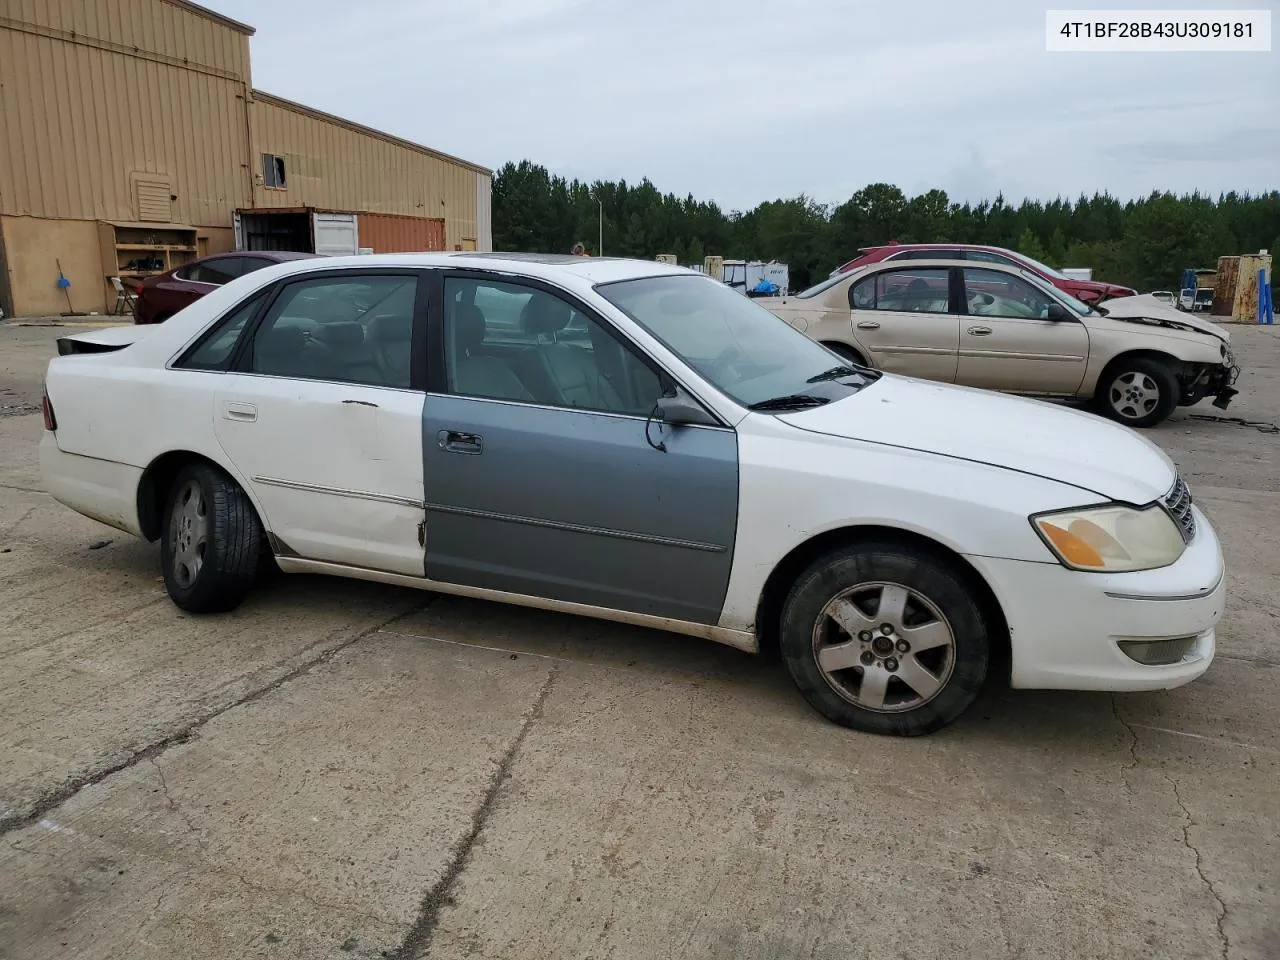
[52,799]
[173,805]
[1188,823]
[315,902]
[17,523]
[417,941]
[1133,745]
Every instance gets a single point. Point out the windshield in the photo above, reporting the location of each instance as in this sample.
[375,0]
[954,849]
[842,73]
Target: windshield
[735,344]
[1080,308]
[1046,270]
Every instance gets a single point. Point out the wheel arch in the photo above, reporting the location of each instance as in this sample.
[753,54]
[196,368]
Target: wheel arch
[784,574]
[846,350]
[158,479]
[1160,356]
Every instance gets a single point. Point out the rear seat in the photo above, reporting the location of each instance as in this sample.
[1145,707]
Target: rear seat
[350,358]
[390,338]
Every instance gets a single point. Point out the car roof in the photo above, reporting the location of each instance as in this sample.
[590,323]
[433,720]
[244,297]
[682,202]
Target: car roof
[942,245]
[553,267]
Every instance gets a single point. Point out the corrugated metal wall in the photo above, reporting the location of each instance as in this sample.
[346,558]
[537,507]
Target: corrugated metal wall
[84,111]
[391,233]
[336,165]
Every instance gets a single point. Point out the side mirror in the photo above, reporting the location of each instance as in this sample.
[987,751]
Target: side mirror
[680,409]
[1056,311]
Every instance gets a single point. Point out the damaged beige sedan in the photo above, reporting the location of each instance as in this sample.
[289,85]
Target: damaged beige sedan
[1002,328]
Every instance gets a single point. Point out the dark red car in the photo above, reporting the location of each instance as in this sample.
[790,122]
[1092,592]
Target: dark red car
[1090,291]
[161,296]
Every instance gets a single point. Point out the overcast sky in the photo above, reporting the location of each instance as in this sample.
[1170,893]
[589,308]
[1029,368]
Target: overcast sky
[741,101]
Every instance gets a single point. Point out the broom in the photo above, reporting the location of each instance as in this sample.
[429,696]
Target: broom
[65,285]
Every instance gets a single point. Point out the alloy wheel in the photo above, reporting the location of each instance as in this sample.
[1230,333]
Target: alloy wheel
[189,532]
[884,647]
[1134,395]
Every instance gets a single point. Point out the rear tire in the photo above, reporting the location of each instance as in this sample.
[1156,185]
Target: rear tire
[1138,392]
[210,542]
[913,678]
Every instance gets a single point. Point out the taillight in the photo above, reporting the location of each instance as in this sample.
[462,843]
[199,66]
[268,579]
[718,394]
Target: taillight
[137,288]
[46,407]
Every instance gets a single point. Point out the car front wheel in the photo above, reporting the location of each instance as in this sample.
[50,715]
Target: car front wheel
[886,638]
[210,543]
[1139,392]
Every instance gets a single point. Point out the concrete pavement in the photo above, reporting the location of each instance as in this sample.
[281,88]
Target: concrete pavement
[343,769]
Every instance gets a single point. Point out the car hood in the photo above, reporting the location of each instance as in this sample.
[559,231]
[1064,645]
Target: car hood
[1149,308]
[1029,436]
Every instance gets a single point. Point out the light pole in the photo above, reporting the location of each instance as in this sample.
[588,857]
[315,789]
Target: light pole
[600,245]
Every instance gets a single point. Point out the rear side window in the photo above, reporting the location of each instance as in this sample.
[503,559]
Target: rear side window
[214,350]
[926,290]
[219,271]
[351,329]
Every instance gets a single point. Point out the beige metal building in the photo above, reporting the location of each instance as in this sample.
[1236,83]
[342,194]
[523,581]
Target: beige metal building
[132,140]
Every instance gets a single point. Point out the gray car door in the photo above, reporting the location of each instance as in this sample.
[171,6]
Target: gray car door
[544,474]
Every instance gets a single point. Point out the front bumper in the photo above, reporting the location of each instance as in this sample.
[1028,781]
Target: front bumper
[1067,627]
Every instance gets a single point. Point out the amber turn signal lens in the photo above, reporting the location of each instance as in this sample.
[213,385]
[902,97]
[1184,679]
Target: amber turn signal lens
[1073,549]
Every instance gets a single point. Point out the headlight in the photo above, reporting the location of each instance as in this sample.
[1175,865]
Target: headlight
[1111,539]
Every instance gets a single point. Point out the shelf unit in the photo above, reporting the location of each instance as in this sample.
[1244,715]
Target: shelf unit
[138,250]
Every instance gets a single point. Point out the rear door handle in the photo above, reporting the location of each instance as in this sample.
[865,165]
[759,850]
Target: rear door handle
[869,325]
[980,331]
[455,441]
[239,410]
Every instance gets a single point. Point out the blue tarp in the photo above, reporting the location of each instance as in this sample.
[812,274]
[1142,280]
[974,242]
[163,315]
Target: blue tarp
[765,286]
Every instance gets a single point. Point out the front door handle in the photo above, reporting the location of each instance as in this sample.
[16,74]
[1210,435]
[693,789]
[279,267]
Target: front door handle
[455,441]
[869,325]
[980,331]
[239,410]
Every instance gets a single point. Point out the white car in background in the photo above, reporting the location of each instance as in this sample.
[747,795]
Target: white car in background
[637,442]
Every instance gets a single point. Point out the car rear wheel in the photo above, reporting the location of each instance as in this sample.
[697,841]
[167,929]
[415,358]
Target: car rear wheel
[211,541]
[1138,392]
[886,638]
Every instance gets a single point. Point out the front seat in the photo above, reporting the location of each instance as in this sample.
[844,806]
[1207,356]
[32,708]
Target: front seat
[478,375]
[572,370]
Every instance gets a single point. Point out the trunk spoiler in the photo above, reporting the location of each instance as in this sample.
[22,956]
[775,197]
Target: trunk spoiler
[101,341]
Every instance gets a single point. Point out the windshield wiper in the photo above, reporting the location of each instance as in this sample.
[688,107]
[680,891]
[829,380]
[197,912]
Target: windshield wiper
[790,401]
[1102,311]
[835,373]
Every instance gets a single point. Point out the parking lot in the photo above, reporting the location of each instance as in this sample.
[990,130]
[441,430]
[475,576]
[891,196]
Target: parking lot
[345,769]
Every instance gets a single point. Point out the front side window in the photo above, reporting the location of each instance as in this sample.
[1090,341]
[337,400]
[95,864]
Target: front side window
[507,341]
[735,344]
[986,256]
[994,293]
[904,291]
[353,329]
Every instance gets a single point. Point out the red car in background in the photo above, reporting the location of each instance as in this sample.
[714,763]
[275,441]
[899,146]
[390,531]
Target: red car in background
[161,296]
[1090,291]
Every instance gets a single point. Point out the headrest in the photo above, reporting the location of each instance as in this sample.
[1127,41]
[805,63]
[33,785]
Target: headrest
[281,341]
[341,336]
[391,326]
[544,314]
[468,322]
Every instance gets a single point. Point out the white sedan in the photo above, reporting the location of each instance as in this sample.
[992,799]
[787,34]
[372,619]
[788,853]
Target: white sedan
[631,441]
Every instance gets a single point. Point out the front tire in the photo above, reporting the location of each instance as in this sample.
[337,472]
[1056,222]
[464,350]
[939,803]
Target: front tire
[210,544]
[886,638]
[1138,392]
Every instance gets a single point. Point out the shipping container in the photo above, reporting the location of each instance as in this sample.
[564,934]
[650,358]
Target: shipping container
[389,233]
